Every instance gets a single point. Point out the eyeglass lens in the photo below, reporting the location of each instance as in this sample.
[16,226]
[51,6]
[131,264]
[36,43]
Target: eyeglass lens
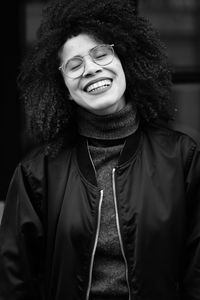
[101,55]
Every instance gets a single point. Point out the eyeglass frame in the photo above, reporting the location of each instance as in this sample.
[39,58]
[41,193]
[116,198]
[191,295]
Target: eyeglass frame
[81,57]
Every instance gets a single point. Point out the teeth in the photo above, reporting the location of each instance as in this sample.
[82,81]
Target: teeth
[97,85]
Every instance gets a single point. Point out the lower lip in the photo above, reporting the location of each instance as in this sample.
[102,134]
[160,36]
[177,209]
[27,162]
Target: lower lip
[100,91]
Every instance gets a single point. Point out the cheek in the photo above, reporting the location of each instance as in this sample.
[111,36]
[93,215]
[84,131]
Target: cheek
[71,86]
[121,76]
[74,91]
[119,69]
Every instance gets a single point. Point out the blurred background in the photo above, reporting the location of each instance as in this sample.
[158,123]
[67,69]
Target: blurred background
[178,22]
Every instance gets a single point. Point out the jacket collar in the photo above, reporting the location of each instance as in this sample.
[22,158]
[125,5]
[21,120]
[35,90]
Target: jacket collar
[85,161]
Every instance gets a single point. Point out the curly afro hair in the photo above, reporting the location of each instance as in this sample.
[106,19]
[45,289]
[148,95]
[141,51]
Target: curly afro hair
[50,113]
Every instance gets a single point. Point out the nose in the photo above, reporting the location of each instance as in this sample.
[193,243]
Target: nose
[90,67]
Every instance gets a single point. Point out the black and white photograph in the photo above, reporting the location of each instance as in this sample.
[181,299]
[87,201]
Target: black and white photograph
[100,151]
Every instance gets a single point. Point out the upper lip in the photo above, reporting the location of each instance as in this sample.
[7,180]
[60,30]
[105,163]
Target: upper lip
[95,80]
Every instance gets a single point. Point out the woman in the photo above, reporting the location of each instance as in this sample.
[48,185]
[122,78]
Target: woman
[108,207]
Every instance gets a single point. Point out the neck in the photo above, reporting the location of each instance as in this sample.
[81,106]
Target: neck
[113,126]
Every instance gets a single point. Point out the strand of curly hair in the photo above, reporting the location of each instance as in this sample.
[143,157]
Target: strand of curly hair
[50,113]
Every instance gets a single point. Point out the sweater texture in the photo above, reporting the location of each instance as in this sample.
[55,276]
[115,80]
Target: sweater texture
[106,137]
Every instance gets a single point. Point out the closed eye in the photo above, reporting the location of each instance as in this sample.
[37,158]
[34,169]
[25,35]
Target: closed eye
[74,64]
[101,56]
[75,67]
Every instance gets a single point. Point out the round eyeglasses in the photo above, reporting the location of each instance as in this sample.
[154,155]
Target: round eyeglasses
[102,55]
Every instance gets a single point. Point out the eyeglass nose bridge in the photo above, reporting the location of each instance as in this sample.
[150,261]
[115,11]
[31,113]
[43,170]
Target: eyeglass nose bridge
[89,54]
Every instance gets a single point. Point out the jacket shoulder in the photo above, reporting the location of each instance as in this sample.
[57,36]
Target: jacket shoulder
[174,142]
[37,158]
[35,171]
[173,136]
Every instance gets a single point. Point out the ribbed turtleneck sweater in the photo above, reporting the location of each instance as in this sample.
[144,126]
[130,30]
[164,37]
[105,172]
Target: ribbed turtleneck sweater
[106,136]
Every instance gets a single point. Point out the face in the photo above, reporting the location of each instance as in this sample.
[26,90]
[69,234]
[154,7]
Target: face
[100,89]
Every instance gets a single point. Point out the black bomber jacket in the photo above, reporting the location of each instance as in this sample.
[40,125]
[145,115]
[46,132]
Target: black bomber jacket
[51,219]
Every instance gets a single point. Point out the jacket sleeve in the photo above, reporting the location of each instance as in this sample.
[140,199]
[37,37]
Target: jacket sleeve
[191,280]
[21,244]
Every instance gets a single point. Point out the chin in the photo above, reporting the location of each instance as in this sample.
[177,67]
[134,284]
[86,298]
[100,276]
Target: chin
[105,109]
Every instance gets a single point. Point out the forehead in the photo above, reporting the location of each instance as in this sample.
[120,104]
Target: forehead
[77,45]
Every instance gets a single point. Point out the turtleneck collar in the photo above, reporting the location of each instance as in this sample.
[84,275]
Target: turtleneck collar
[108,127]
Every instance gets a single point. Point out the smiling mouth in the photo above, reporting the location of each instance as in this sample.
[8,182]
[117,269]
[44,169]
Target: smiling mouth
[98,86]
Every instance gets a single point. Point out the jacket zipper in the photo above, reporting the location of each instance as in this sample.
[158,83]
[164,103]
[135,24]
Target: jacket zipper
[91,159]
[97,232]
[119,231]
[95,245]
